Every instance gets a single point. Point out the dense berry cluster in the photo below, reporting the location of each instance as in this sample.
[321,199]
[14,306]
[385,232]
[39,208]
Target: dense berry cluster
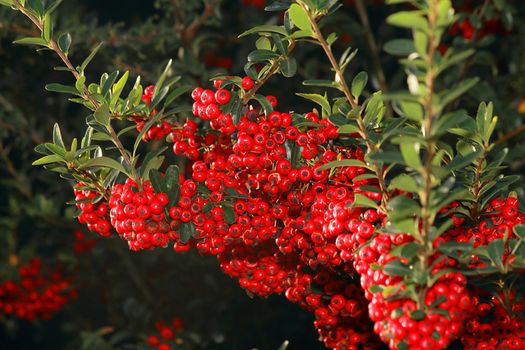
[35,294]
[138,215]
[256,194]
[93,214]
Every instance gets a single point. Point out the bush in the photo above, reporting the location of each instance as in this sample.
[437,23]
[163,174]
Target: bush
[399,193]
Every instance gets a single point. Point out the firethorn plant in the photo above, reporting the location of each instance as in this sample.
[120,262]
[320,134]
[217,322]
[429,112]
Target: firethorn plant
[383,214]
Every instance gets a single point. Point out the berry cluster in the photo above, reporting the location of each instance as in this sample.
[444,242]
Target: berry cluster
[256,194]
[167,338]
[93,214]
[35,294]
[138,215]
[157,131]
[490,325]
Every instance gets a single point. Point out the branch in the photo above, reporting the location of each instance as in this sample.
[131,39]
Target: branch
[53,45]
[339,77]
[510,134]
[273,69]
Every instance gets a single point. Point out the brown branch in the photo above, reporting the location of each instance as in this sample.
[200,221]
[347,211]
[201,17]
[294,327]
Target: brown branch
[363,17]
[513,133]
[189,33]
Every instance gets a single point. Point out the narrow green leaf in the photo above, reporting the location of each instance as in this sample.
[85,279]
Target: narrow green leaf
[342,163]
[52,158]
[66,89]
[57,136]
[358,84]
[90,57]
[104,162]
[31,41]
[265,29]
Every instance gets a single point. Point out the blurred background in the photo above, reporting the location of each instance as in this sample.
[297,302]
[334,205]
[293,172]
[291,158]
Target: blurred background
[114,296]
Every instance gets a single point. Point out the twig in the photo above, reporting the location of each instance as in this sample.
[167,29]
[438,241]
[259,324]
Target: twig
[63,56]
[339,77]
[513,133]
[273,69]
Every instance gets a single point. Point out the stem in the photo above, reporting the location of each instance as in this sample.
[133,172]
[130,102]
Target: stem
[273,69]
[510,135]
[426,217]
[339,77]
[363,17]
[53,45]
[476,189]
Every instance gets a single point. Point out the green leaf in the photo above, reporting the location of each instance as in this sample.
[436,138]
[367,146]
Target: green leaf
[404,182]
[157,181]
[102,115]
[47,31]
[288,67]
[396,268]
[410,153]
[160,82]
[64,42]
[300,18]
[495,250]
[104,162]
[90,57]
[229,215]
[364,202]
[265,29]
[342,163]
[31,41]
[57,136]
[407,250]
[519,230]
[399,47]
[375,109]
[107,83]
[349,129]
[322,83]
[401,207]
[408,19]
[263,101]
[52,158]
[262,55]
[450,95]
[65,89]
[116,90]
[53,6]
[320,100]
[358,84]
[177,93]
